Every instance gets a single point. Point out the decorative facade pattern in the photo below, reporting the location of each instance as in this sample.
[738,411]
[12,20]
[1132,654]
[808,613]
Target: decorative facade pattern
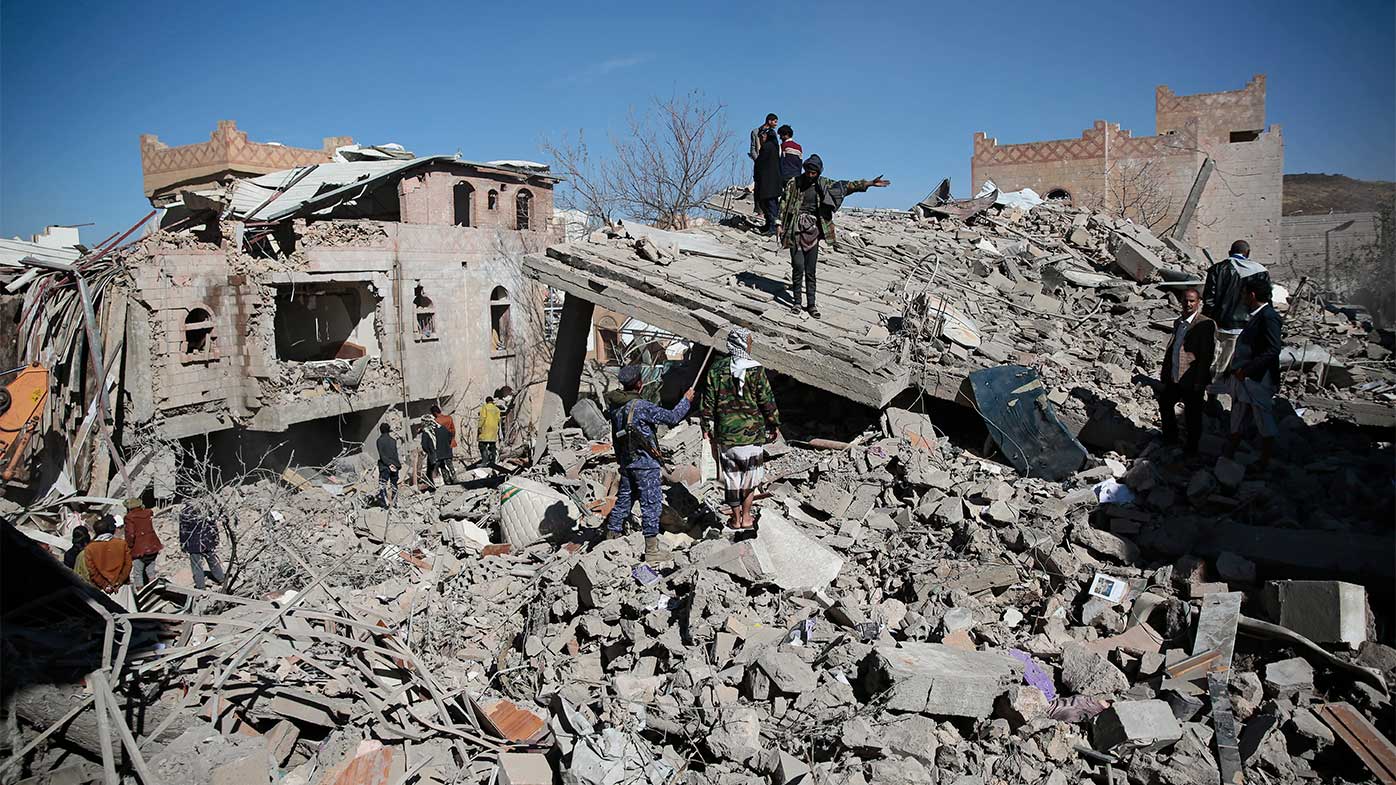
[226,151]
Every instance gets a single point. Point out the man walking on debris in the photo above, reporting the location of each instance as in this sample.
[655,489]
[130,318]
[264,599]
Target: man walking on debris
[81,537]
[637,450]
[145,543]
[198,536]
[1255,370]
[389,464]
[1187,369]
[1224,302]
[807,216]
[768,181]
[106,561]
[738,413]
[488,437]
[445,421]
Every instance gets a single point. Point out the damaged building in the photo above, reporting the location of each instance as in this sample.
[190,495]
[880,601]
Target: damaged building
[295,297]
[1213,172]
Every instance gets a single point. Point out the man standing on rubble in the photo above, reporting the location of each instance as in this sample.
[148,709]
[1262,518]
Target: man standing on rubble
[739,415]
[633,420]
[792,155]
[768,181]
[198,536]
[145,543]
[106,561]
[807,217]
[1255,370]
[1224,302]
[389,465]
[755,151]
[428,449]
[488,438]
[445,433]
[1187,369]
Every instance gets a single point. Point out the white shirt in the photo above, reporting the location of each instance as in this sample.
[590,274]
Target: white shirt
[1258,310]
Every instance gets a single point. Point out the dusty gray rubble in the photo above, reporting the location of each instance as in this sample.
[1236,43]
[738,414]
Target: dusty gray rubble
[910,609]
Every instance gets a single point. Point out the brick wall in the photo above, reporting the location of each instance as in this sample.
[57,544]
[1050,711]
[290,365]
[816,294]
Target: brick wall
[430,198]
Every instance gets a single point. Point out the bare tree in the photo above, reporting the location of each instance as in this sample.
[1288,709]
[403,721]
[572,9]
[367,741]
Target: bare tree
[1137,190]
[671,159]
[588,181]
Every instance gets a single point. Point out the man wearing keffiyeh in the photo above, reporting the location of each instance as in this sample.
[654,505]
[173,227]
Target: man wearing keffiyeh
[739,415]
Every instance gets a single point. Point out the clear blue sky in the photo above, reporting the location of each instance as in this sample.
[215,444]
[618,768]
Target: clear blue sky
[895,89]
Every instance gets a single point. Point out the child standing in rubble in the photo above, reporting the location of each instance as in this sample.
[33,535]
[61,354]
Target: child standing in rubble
[633,420]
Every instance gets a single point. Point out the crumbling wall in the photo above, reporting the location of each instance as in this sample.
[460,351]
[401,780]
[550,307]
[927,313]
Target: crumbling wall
[1217,114]
[1243,198]
[430,198]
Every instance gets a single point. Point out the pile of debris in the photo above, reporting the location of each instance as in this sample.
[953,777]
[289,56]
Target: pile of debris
[909,610]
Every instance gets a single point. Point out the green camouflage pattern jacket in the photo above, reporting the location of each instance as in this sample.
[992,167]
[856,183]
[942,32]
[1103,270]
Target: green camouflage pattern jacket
[831,195]
[737,419]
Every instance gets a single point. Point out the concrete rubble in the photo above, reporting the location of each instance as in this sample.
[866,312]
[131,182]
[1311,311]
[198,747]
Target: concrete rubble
[911,608]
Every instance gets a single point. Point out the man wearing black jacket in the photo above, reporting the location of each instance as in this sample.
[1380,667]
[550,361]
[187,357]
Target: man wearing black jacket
[1224,302]
[1187,369]
[1255,369]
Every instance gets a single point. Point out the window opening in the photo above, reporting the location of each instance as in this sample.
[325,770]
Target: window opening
[523,210]
[1244,136]
[499,319]
[463,196]
[198,336]
[493,199]
[426,315]
[1059,194]
[316,322]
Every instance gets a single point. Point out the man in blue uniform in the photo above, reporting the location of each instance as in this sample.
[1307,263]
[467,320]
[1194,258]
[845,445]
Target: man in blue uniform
[633,420]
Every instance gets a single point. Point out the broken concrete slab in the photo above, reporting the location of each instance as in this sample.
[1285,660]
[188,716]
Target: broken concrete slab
[1138,262]
[1088,673]
[1013,403]
[1216,625]
[1147,725]
[524,768]
[931,678]
[787,672]
[792,559]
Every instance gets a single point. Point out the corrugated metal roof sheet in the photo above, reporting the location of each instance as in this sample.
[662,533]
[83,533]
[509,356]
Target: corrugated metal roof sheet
[11,251]
[307,185]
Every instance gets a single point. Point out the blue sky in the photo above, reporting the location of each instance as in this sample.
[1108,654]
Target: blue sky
[895,89]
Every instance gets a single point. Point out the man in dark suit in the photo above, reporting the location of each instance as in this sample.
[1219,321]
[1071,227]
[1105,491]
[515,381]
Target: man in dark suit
[1187,369]
[1255,369]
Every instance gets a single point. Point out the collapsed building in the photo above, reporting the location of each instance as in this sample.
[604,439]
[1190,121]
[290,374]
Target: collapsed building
[298,306]
[975,561]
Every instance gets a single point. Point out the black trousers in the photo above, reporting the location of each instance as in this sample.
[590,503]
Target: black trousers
[802,272]
[1171,395]
[771,209]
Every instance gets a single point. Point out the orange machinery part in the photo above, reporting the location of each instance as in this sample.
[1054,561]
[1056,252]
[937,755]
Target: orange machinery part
[20,422]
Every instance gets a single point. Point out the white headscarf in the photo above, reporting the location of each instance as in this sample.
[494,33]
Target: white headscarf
[737,339]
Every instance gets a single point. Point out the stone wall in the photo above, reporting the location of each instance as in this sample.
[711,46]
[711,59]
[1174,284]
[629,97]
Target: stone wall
[1307,240]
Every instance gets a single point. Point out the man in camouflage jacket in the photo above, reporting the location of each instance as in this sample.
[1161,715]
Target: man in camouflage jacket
[807,216]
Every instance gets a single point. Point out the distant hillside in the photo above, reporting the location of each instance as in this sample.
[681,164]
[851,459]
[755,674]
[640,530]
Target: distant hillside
[1317,194]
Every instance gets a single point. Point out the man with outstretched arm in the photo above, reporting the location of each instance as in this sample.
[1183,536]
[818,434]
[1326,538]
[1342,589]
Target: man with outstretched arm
[633,420]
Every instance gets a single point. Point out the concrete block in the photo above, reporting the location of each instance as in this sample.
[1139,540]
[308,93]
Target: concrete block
[787,672]
[1146,725]
[1289,678]
[1136,261]
[588,415]
[1322,611]
[1216,625]
[524,768]
[931,678]
[1088,673]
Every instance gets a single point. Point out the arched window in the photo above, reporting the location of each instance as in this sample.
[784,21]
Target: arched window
[493,199]
[523,209]
[464,198]
[1059,195]
[199,338]
[499,319]
[425,329]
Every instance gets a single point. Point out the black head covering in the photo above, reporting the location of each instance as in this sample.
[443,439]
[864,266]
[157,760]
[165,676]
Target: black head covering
[816,163]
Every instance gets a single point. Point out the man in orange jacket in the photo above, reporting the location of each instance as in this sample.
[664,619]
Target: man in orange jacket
[106,561]
[145,543]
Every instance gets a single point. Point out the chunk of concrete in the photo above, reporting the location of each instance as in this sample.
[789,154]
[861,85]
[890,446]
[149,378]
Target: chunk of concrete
[1138,262]
[1234,567]
[791,559]
[931,678]
[737,736]
[1105,544]
[1143,725]
[1322,611]
[1088,673]
[589,416]
[1289,678]
[1216,625]
[787,672]
[524,768]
